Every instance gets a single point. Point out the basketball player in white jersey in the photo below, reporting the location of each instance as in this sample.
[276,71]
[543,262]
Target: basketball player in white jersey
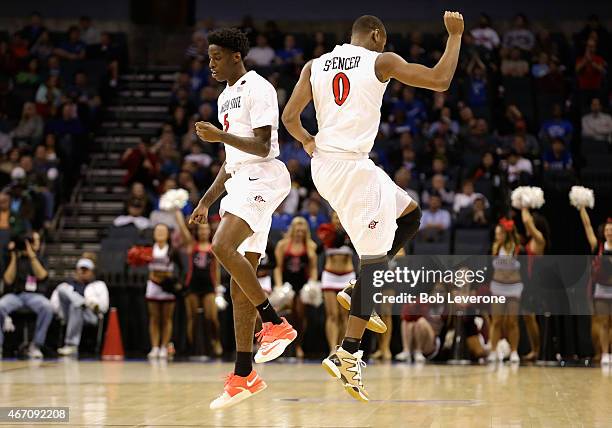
[256,184]
[347,87]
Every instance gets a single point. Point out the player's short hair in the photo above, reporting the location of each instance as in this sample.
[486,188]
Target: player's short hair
[367,23]
[230,38]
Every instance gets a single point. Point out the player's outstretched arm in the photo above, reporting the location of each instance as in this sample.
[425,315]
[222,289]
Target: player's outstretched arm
[390,65]
[301,96]
[259,145]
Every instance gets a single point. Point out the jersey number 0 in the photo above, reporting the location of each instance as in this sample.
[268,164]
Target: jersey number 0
[341,86]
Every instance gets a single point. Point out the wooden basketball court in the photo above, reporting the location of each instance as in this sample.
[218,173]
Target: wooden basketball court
[144,394]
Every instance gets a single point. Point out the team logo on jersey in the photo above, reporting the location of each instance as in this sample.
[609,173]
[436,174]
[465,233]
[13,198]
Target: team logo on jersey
[373,224]
[258,198]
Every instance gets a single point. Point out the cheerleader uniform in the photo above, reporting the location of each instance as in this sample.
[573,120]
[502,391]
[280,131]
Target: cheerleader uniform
[505,261]
[296,269]
[161,264]
[201,274]
[603,280]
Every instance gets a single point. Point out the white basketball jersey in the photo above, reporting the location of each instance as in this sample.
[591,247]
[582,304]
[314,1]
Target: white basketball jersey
[248,104]
[347,97]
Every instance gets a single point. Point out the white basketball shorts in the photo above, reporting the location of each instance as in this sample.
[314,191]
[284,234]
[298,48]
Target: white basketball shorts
[254,191]
[367,201]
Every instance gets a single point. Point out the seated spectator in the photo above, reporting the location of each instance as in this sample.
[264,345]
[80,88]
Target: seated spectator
[198,76]
[90,35]
[474,216]
[30,77]
[484,35]
[24,283]
[274,34]
[198,49]
[513,65]
[30,127]
[49,96]
[179,122]
[10,220]
[53,67]
[445,126]
[466,198]
[43,48]
[438,187]
[79,301]
[19,47]
[135,214]
[557,127]
[557,158]
[597,125]
[34,30]
[261,55]
[435,221]
[141,163]
[73,49]
[403,179]
[290,54]
[520,36]
[314,214]
[590,68]
[518,168]
[280,219]
[414,108]
[84,94]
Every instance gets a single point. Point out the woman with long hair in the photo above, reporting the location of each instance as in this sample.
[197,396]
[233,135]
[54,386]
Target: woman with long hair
[506,282]
[337,273]
[296,263]
[164,273]
[602,281]
[538,242]
[202,278]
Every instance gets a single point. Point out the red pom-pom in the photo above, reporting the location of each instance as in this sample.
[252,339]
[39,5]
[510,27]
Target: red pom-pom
[139,256]
[327,234]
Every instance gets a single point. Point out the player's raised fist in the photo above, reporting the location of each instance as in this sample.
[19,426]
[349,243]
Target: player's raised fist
[208,132]
[453,22]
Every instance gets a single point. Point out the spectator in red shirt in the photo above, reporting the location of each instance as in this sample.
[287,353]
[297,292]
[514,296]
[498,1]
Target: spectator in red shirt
[590,72]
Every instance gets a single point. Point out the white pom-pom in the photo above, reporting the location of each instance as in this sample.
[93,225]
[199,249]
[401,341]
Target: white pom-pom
[311,294]
[581,197]
[503,348]
[220,298]
[527,197]
[282,297]
[173,199]
[52,174]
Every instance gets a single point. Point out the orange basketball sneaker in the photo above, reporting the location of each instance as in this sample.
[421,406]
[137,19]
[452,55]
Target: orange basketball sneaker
[274,338]
[237,389]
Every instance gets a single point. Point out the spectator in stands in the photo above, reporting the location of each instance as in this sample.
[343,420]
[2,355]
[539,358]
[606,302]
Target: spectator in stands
[296,263]
[466,198]
[590,72]
[261,55]
[165,271]
[476,88]
[274,34]
[80,301]
[198,49]
[413,107]
[314,213]
[24,281]
[597,125]
[54,67]
[90,35]
[141,163]
[73,49]
[111,54]
[34,29]
[438,187]
[19,47]
[290,53]
[594,27]
[9,220]
[474,216]
[247,26]
[513,65]
[520,36]
[403,179]
[436,221]
[29,77]
[135,214]
[49,96]
[198,75]
[519,169]
[557,127]
[30,127]
[557,158]
[484,35]
[43,48]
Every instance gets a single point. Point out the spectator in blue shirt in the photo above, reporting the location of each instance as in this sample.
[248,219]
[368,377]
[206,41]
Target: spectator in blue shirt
[290,54]
[557,158]
[73,49]
[314,215]
[412,106]
[557,127]
[198,76]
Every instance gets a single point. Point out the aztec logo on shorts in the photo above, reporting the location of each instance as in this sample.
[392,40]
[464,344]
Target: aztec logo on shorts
[258,198]
[373,224]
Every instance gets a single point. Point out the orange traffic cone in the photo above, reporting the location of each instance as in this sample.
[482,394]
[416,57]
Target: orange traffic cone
[113,347]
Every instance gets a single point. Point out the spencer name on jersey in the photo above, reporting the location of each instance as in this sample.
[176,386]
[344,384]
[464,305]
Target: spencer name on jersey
[339,63]
[230,104]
